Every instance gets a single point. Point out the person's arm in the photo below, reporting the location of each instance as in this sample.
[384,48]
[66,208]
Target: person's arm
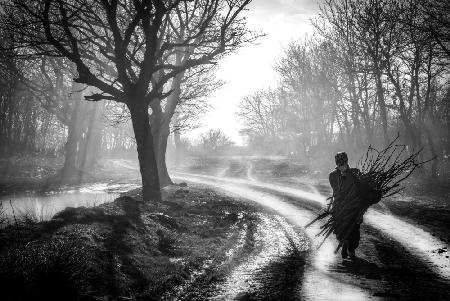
[329,201]
[333,183]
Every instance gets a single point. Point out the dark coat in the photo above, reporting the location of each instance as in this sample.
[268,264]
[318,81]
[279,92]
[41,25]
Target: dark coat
[342,184]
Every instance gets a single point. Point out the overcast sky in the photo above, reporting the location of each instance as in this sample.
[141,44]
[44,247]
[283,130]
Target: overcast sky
[251,68]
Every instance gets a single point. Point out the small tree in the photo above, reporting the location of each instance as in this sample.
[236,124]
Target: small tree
[215,141]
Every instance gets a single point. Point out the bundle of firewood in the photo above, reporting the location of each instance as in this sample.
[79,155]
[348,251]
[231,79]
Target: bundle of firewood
[379,175]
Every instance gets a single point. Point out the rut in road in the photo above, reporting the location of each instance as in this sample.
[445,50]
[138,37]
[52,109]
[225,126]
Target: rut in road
[265,260]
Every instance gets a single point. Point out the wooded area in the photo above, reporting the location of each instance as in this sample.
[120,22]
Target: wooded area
[151,61]
[373,69]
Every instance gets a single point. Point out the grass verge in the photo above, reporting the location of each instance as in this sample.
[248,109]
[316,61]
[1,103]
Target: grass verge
[126,249]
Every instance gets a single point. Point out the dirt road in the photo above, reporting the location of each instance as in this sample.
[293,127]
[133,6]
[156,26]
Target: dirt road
[396,259]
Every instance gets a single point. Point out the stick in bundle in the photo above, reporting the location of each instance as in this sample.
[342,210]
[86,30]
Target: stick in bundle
[380,174]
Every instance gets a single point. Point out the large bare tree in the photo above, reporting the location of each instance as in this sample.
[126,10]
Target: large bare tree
[121,48]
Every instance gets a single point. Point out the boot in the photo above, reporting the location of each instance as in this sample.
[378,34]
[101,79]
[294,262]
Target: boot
[351,253]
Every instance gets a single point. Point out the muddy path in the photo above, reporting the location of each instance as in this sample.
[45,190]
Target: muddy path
[397,260]
[275,258]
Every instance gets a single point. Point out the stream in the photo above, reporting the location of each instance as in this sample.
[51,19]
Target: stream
[41,206]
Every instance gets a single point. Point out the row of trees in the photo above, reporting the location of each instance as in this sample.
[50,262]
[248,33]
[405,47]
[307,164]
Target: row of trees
[374,69]
[139,54]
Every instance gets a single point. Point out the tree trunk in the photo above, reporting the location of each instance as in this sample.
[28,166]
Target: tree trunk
[431,144]
[71,147]
[177,140]
[92,141]
[382,104]
[160,121]
[161,148]
[355,108]
[146,153]
[160,132]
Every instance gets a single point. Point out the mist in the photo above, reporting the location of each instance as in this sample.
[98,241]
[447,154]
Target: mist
[190,144]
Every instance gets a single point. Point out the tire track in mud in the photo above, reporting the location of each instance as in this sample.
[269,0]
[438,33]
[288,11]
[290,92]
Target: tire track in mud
[319,281]
[274,252]
[265,261]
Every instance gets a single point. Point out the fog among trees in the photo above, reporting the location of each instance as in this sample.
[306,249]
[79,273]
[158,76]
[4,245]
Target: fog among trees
[135,53]
[90,79]
[372,70]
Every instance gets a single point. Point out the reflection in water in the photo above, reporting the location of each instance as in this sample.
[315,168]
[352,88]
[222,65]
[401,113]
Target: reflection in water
[44,206]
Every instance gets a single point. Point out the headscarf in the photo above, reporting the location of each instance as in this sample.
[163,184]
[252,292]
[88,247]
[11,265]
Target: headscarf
[341,158]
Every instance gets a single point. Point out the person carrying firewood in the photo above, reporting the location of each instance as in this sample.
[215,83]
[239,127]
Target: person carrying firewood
[355,190]
[343,180]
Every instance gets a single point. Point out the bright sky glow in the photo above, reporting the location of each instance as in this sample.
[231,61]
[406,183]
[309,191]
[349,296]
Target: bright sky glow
[251,68]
